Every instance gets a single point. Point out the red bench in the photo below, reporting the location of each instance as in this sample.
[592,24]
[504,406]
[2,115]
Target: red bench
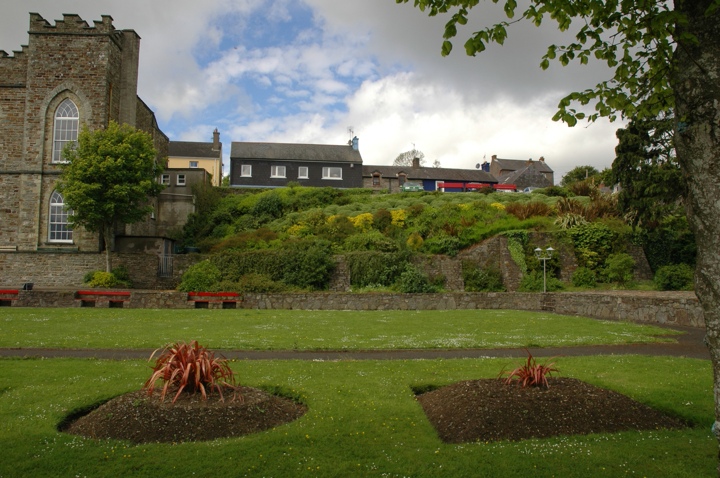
[114,298]
[226,300]
[7,296]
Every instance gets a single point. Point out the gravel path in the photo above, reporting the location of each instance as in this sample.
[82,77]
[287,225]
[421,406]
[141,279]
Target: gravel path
[690,345]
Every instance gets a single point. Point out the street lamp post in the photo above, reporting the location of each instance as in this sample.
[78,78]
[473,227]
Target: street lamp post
[544,256]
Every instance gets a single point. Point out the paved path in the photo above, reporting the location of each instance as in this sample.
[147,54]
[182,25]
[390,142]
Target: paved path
[690,344]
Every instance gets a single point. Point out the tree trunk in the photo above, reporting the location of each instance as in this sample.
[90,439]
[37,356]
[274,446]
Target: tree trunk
[696,85]
[107,238]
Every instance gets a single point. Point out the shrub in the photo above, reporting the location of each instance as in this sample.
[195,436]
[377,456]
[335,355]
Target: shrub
[531,374]
[119,277]
[527,210]
[191,368]
[102,279]
[569,206]
[373,268]
[675,277]
[202,276]
[363,221]
[269,204]
[619,268]
[442,244]
[412,281]
[570,220]
[481,280]
[414,241]
[584,277]
[370,241]
[121,274]
[382,219]
[533,282]
[553,191]
[258,283]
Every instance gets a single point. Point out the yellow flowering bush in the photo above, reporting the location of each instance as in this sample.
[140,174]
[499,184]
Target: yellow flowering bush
[498,206]
[297,230]
[398,217]
[363,221]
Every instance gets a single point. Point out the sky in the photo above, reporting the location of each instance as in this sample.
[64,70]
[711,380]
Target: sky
[322,71]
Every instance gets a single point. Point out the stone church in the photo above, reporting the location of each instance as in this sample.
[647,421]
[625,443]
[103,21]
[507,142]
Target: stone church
[70,75]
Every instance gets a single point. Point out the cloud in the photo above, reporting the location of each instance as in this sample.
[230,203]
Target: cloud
[287,71]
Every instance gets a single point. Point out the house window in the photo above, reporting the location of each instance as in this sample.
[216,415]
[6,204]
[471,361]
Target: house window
[193,164]
[376,180]
[303,172]
[181,180]
[277,171]
[165,179]
[246,171]
[59,226]
[65,128]
[402,177]
[332,173]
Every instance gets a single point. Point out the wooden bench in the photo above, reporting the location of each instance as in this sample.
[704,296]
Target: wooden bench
[7,296]
[226,300]
[114,298]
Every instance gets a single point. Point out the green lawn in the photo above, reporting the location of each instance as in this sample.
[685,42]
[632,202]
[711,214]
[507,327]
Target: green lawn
[311,330]
[362,421]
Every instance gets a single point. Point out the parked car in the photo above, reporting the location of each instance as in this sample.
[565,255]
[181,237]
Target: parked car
[411,187]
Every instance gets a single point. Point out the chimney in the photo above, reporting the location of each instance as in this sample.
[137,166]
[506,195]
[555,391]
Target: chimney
[529,161]
[216,140]
[542,158]
[416,162]
[355,143]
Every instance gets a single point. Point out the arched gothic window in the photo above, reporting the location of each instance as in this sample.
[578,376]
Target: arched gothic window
[65,128]
[59,227]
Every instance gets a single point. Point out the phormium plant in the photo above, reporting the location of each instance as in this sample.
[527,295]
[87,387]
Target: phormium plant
[191,368]
[530,374]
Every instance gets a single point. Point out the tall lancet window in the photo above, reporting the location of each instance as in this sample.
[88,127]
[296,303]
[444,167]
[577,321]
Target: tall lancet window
[65,129]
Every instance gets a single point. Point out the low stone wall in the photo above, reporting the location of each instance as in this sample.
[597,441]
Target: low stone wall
[668,308]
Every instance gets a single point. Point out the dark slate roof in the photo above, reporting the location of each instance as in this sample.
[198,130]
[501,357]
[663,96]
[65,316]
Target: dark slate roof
[435,174]
[191,149]
[295,152]
[528,173]
[517,164]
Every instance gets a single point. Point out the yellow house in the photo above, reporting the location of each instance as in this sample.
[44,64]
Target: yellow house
[191,154]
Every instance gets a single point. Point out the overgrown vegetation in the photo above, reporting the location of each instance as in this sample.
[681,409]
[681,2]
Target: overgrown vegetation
[285,239]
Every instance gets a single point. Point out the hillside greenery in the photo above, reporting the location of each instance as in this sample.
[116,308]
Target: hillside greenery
[285,239]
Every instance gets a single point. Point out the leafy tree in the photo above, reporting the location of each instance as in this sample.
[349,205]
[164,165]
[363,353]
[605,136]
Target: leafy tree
[646,167]
[108,179]
[578,173]
[661,57]
[406,158]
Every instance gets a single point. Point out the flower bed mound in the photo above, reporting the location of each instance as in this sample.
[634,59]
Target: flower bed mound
[140,418]
[489,410]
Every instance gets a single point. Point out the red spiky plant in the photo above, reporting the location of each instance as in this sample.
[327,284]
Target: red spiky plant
[191,368]
[530,374]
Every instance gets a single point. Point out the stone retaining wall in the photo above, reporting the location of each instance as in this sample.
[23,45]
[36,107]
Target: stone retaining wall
[669,308]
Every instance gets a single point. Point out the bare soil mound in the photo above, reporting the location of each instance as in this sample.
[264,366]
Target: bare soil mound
[140,418]
[489,410]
